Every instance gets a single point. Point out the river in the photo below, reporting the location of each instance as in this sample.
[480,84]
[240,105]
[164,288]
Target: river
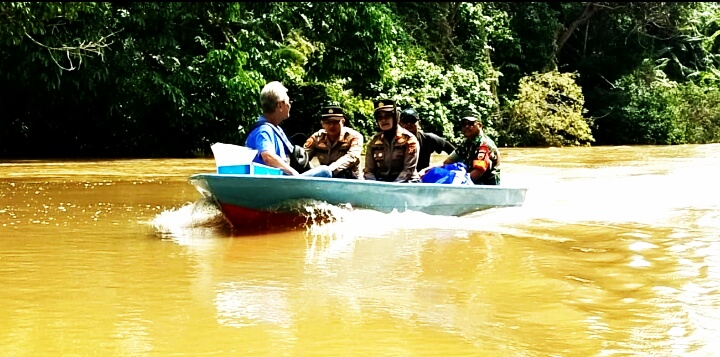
[616,252]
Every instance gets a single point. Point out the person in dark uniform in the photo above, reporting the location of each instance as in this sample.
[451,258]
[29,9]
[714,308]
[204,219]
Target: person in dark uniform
[335,145]
[478,152]
[391,154]
[429,142]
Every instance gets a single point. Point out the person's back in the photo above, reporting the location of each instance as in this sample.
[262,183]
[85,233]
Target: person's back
[428,142]
[265,138]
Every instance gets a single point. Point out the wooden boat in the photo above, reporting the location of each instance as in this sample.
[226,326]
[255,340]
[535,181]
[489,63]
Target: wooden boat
[257,203]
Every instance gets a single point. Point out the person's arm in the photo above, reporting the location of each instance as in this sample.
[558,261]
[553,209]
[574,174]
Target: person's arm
[351,158]
[412,153]
[265,144]
[439,144]
[370,166]
[481,164]
[453,158]
[446,146]
[309,146]
[273,160]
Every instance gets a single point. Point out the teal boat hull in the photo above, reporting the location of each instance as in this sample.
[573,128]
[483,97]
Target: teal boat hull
[261,201]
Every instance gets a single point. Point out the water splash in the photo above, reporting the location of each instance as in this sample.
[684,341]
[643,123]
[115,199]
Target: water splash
[325,222]
[316,212]
[194,219]
[349,221]
[204,218]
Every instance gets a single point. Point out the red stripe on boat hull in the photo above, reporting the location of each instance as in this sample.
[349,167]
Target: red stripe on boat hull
[247,220]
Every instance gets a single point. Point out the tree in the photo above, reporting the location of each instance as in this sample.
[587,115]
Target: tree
[548,112]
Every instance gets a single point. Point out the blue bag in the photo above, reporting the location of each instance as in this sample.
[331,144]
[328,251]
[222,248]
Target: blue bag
[452,174]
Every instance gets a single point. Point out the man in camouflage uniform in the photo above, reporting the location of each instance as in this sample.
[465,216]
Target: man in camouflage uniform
[392,154]
[478,152]
[335,145]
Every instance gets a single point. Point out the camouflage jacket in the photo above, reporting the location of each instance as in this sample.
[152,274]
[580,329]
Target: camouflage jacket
[482,154]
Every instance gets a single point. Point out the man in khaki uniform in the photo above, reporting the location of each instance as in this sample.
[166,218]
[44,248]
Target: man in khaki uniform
[392,154]
[335,145]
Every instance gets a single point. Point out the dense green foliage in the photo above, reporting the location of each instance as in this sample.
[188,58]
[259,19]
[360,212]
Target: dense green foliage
[548,112]
[169,79]
[655,110]
[436,92]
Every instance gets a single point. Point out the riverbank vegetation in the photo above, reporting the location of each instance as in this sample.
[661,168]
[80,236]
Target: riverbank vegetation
[137,79]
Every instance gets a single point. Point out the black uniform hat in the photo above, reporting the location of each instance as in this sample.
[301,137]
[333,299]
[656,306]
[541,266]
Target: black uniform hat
[331,112]
[409,115]
[385,105]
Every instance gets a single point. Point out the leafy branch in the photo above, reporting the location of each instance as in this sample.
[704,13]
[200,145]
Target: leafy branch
[85,47]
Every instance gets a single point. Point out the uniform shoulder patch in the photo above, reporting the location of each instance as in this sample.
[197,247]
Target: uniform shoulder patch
[309,142]
[412,149]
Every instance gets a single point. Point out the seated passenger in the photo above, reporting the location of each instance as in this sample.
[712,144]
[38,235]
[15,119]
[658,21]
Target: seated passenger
[429,142]
[391,154]
[336,145]
[477,152]
[268,138]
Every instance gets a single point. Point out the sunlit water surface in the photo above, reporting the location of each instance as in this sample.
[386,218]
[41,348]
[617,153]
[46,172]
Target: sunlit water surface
[616,252]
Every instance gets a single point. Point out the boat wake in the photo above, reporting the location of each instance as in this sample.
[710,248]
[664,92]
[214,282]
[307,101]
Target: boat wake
[369,222]
[316,212]
[203,218]
[194,219]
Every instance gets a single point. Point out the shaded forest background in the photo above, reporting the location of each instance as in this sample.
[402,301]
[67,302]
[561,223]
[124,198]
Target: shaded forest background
[134,79]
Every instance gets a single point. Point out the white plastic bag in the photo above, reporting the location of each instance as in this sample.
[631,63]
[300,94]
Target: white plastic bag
[231,155]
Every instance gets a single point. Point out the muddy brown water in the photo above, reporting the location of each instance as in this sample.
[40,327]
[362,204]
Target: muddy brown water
[616,252]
